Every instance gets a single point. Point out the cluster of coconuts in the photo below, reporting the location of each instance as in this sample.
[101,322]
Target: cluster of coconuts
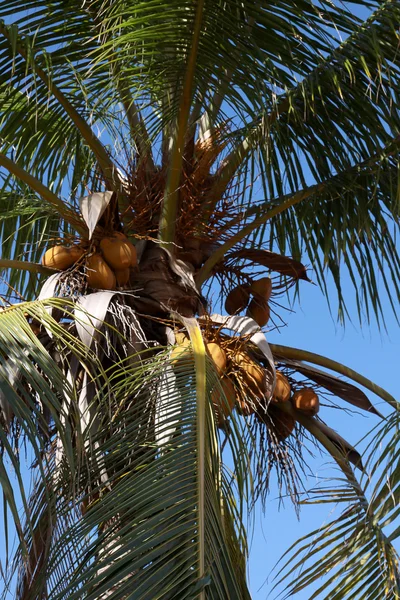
[304,400]
[106,269]
[257,308]
[225,395]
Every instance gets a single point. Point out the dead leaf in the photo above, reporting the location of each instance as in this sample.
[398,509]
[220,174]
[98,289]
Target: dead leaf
[347,449]
[276,262]
[92,208]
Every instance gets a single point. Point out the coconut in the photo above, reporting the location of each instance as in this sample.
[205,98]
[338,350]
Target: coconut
[117,252]
[36,327]
[99,274]
[306,400]
[180,352]
[122,236]
[252,373]
[218,355]
[262,287]
[223,398]
[61,257]
[282,389]
[181,338]
[245,407]
[281,424]
[259,311]
[122,276]
[237,300]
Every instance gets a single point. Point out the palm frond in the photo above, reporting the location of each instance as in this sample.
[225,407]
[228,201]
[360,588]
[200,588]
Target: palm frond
[74,542]
[353,554]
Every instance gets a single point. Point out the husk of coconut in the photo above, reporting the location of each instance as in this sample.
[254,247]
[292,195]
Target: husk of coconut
[245,406]
[281,424]
[223,398]
[122,276]
[117,252]
[262,287]
[218,355]
[259,311]
[180,352]
[181,338]
[122,236]
[251,373]
[237,300]
[61,257]
[307,401]
[282,388]
[99,274]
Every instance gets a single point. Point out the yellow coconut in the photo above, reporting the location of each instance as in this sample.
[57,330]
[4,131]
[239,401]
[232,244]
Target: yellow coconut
[218,355]
[122,276]
[282,389]
[61,257]
[181,352]
[281,424]
[117,252]
[263,287]
[259,311]
[122,236]
[237,300]
[252,373]
[223,400]
[99,274]
[181,338]
[307,401]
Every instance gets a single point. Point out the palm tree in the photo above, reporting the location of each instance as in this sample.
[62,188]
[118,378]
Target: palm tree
[165,163]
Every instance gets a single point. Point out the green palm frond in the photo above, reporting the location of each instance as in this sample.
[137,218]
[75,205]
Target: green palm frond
[354,554]
[105,431]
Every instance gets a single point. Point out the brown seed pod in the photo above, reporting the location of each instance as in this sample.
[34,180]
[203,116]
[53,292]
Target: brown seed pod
[61,257]
[282,389]
[281,424]
[262,287]
[117,252]
[122,276]
[237,300]
[99,274]
[218,355]
[223,405]
[307,401]
[251,372]
[259,311]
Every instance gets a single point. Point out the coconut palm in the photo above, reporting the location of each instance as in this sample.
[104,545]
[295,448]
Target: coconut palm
[168,169]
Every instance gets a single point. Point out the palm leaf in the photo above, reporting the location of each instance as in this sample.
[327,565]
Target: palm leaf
[117,459]
[366,564]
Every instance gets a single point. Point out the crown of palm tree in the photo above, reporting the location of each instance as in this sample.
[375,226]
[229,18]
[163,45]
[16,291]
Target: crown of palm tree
[160,152]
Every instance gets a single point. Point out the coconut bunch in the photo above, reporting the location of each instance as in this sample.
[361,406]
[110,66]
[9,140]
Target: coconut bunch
[108,264]
[254,297]
[281,424]
[242,380]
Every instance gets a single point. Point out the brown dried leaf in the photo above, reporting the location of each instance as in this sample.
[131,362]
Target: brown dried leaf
[276,262]
[340,388]
[347,449]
